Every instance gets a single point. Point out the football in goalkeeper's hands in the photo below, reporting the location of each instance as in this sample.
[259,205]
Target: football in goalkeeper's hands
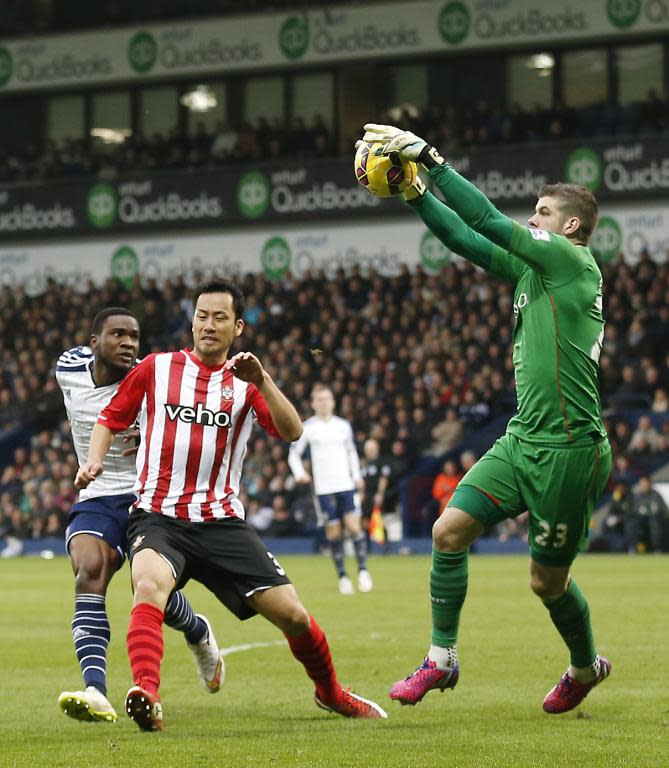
[382,175]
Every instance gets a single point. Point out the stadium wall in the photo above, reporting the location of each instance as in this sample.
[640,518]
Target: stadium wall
[382,245]
[619,170]
[314,37]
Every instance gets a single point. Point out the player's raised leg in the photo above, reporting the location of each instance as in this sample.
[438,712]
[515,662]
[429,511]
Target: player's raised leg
[307,641]
[153,581]
[570,614]
[200,638]
[94,562]
[452,534]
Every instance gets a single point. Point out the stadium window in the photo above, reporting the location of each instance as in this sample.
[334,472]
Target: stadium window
[212,116]
[312,95]
[640,69]
[409,85]
[66,117]
[264,97]
[584,77]
[26,126]
[530,80]
[111,119]
[158,110]
[466,81]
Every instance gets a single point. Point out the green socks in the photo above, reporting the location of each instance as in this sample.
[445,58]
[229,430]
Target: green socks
[448,589]
[571,616]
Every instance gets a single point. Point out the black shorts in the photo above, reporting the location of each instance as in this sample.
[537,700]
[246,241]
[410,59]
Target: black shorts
[226,556]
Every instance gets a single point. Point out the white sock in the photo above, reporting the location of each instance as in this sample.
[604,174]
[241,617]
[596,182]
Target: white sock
[445,658]
[585,674]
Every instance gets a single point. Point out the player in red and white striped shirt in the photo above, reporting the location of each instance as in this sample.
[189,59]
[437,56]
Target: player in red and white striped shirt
[197,408]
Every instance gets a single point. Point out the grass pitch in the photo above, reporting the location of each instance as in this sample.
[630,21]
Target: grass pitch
[265,716]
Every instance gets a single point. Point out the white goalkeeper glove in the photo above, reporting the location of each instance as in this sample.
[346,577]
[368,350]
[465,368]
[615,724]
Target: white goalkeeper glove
[409,146]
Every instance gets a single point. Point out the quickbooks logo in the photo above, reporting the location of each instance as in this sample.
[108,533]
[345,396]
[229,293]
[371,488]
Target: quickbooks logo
[623,13]
[275,258]
[294,37]
[454,22]
[142,52]
[433,253]
[607,239]
[584,166]
[253,194]
[125,265]
[101,206]
[6,66]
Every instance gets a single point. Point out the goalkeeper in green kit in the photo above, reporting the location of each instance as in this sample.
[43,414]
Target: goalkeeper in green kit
[554,459]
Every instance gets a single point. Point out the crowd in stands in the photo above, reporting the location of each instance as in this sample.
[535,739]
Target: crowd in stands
[637,519]
[454,131]
[226,145]
[417,362]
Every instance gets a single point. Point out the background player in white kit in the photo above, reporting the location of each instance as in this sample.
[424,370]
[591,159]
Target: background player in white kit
[337,480]
[96,532]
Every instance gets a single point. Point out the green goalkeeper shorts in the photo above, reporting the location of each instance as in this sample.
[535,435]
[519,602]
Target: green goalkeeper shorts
[559,487]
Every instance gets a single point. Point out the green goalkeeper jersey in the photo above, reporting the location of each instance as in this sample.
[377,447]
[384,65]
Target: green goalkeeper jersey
[559,325]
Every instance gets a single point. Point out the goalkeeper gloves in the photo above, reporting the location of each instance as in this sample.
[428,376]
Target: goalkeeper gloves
[409,146]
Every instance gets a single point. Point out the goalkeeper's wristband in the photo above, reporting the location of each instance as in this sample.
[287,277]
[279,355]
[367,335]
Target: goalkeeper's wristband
[430,157]
[415,190]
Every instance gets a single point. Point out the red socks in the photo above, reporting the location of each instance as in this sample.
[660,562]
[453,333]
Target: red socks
[145,651]
[311,649]
[145,645]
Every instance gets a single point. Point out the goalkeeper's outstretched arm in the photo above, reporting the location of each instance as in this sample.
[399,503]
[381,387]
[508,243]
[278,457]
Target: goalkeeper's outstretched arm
[473,206]
[536,248]
[446,225]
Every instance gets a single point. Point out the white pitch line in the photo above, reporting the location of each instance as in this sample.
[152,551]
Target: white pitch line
[250,647]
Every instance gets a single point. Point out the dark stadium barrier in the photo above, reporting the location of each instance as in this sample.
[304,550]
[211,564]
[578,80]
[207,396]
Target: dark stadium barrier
[617,169]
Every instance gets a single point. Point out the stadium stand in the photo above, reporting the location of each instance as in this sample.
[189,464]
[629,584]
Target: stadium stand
[453,131]
[438,384]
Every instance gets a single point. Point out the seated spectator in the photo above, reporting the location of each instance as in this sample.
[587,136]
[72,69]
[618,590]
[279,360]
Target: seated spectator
[645,438]
[447,434]
[473,411]
[11,416]
[620,529]
[660,401]
[467,460]
[650,517]
[225,142]
[445,483]
[283,522]
[623,471]
[630,389]
[513,528]
[258,515]
[420,430]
